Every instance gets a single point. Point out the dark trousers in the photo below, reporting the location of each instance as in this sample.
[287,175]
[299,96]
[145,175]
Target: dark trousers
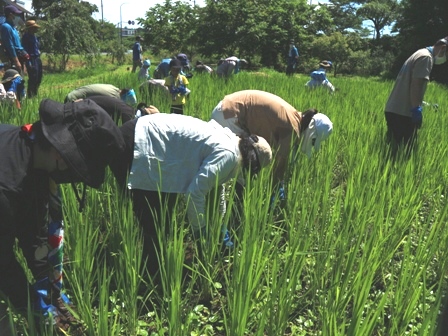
[153,211]
[34,69]
[401,131]
[291,67]
[24,219]
[136,64]
[177,109]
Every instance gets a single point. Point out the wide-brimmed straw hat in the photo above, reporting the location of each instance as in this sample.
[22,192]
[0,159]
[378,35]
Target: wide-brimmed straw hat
[325,64]
[85,136]
[31,24]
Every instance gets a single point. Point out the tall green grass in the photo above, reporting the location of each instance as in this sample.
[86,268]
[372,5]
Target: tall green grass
[359,248]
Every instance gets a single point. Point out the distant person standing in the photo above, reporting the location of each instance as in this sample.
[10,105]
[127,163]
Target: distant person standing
[404,107]
[293,59]
[10,37]
[137,54]
[30,43]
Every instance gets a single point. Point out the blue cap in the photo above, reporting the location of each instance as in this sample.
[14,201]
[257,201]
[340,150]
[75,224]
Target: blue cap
[129,97]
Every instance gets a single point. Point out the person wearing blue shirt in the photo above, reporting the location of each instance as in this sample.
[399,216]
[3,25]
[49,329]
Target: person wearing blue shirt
[10,37]
[31,44]
[14,86]
[137,54]
[293,59]
[163,69]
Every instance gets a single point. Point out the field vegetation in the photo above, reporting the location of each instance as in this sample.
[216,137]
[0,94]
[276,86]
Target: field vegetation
[359,248]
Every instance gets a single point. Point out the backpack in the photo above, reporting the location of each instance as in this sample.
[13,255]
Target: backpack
[319,75]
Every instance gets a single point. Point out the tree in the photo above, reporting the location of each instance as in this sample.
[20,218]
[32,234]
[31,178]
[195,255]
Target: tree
[421,23]
[343,13]
[170,26]
[381,12]
[251,29]
[40,5]
[334,47]
[67,31]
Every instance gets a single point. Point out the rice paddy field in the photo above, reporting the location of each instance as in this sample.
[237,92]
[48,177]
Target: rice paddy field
[360,246]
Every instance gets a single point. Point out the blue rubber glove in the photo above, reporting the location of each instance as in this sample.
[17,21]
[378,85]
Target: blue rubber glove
[227,240]
[182,90]
[417,116]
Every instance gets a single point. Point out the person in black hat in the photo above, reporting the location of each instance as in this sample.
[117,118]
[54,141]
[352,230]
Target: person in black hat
[121,112]
[137,54]
[10,37]
[177,84]
[71,142]
[14,88]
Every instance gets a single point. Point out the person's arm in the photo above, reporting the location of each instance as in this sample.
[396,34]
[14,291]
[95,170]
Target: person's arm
[216,169]
[417,91]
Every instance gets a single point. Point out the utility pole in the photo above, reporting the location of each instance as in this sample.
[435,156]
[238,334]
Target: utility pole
[121,24]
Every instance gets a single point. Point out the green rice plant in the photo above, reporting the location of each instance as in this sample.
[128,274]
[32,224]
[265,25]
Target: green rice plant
[358,248]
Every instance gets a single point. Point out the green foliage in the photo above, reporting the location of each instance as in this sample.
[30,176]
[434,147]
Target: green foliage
[251,29]
[67,31]
[334,47]
[344,15]
[381,12]
[170,26]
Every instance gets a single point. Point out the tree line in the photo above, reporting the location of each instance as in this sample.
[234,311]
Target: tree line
[349,33]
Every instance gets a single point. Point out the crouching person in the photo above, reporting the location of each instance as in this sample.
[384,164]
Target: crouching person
[69,143]
[319,77]
[12,88]
[170,154]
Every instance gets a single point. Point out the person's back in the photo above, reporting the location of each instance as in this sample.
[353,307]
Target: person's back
[116,108]
[176,147]
[93,90]
[163,69]
[319,77]
[262,113]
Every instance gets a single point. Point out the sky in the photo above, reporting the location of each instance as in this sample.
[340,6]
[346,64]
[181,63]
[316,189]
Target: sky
[130,9]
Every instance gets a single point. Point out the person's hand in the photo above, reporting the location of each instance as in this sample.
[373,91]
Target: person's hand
[417,116]
[17,64]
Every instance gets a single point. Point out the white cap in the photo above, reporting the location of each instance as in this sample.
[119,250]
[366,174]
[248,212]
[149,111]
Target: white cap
[317,131]
[264,151]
